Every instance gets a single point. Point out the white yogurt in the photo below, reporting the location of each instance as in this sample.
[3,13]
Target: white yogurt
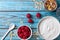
[49,28]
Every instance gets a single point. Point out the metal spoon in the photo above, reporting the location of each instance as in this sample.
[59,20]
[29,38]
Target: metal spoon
[12,26]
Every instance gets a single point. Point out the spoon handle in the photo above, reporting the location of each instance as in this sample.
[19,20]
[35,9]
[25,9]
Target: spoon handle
[5,35]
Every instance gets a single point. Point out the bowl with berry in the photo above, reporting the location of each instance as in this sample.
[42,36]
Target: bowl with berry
[24,32]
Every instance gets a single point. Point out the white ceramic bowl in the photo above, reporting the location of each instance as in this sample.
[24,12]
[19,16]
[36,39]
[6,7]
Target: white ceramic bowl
[30,30]
[40,30]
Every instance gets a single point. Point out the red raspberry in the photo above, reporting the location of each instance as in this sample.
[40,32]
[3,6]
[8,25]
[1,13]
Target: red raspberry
[30,20]
[21,35]
[28,15]
[23,30]
[26,28]
[38,15]
[24,37]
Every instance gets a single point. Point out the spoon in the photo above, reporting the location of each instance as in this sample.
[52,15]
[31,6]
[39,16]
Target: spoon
[12,26]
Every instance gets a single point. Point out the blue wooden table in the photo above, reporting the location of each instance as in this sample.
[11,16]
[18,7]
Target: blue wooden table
[12,11]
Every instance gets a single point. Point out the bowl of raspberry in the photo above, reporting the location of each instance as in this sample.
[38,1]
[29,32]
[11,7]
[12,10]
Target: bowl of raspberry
[24,32]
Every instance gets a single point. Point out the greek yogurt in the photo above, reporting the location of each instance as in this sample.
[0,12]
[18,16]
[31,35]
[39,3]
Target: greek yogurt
[48,28]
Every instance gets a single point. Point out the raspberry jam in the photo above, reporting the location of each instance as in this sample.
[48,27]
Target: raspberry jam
[24,32]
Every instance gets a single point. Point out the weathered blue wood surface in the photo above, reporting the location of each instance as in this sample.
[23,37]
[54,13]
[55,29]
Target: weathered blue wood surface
[16,10]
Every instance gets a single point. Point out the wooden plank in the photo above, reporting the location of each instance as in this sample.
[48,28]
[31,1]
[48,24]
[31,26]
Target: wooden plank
[24,5]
